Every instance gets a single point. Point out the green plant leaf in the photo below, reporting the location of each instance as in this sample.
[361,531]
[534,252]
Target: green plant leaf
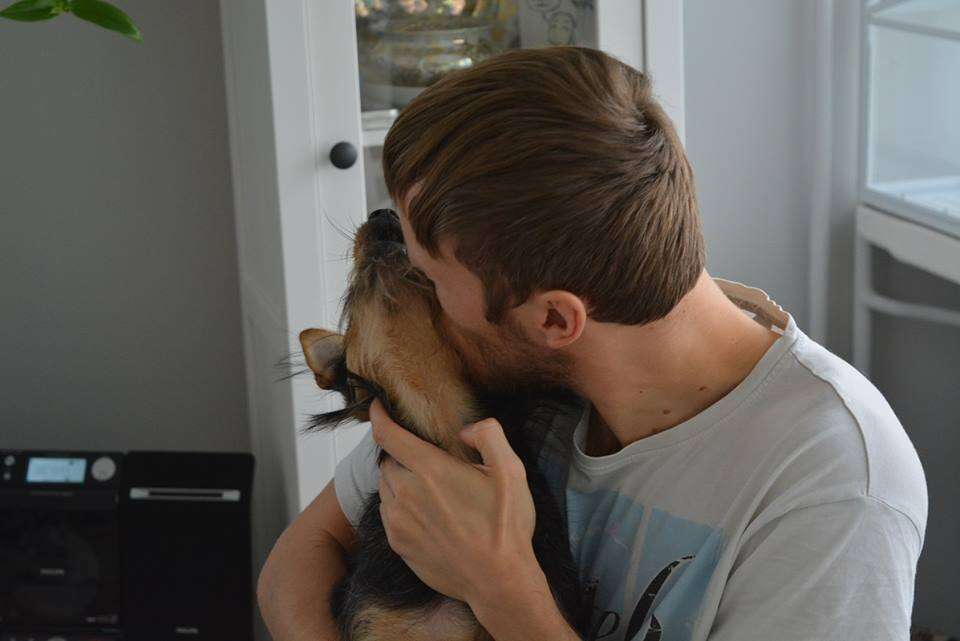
[32,10]
[107,16]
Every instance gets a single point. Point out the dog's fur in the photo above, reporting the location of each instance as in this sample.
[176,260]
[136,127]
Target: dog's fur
[394,348]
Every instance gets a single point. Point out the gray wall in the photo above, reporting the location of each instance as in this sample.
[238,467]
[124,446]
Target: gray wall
[748,106]
[118,270]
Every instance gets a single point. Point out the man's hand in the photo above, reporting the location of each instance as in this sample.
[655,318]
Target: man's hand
[461,528]
[467,529]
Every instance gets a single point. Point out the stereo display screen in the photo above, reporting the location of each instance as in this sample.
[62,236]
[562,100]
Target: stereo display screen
[56,470]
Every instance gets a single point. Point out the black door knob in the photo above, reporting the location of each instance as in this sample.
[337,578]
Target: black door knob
[343,155]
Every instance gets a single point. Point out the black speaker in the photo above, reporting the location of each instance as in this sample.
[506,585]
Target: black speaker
[187,552]
[60,536]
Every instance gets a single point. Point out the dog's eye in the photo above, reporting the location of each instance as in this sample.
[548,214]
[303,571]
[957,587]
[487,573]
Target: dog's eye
[357,390]
[351,391]
[420,277]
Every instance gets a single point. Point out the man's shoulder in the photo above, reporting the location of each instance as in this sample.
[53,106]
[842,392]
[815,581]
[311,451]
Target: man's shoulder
[839,426]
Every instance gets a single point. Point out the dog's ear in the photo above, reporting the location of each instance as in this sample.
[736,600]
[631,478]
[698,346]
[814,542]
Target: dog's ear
[324,350]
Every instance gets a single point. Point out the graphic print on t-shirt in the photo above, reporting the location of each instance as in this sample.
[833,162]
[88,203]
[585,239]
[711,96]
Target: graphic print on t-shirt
[648,569]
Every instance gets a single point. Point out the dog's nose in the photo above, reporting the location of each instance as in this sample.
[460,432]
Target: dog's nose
[385,225]
[381,213]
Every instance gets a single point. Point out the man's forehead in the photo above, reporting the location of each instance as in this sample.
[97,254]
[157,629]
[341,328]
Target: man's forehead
[418,256]
[413,191]
[413,248]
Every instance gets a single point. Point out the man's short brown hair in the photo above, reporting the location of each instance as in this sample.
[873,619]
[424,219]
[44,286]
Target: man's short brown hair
[552,168]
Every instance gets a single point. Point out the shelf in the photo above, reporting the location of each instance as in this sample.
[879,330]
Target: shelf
[911,243]
[942,194]
[908,242]
[938,18]
[934,202]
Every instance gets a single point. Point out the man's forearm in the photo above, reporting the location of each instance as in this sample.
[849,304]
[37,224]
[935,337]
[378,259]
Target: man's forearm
[294,587]
[522,608]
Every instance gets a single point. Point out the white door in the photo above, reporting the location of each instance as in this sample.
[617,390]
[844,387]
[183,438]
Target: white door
[295,91]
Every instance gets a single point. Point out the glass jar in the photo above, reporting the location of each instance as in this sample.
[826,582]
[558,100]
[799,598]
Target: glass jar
[405,46]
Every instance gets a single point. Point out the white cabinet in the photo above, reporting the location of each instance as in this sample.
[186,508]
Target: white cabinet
[294,91]
[911,101]
[910,154]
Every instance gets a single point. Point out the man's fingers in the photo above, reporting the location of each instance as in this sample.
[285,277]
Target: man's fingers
[410,451]
[487,437]
[387,492]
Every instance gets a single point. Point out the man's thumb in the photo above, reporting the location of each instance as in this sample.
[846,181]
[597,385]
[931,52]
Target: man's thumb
[487,437]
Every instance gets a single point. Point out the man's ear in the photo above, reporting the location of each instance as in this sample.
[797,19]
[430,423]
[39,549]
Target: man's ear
[558,315]
[323,349]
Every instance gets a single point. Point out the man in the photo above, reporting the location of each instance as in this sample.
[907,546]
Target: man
[731,479]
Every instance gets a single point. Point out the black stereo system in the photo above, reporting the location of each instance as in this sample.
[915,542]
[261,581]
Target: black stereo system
[139,546]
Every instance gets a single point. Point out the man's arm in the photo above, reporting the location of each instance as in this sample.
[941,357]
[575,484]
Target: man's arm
[293,590]
[521,608]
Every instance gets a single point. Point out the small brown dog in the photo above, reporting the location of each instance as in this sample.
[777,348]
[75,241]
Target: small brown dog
[394,348]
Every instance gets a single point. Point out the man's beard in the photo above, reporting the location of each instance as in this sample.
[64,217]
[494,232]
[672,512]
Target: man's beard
[509,362]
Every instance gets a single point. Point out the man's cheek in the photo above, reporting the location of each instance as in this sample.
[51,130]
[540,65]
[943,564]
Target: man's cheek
[452,308]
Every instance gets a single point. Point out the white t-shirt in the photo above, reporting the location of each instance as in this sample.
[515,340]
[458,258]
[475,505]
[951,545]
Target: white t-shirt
[794,508]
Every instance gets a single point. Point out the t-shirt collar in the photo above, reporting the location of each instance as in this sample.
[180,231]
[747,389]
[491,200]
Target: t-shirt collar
[761,308]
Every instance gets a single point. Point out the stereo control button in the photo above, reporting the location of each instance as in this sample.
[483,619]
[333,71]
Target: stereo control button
[9,460]
[103,468]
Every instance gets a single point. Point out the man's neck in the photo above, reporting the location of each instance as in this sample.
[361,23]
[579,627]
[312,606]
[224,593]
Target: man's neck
[646,379]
